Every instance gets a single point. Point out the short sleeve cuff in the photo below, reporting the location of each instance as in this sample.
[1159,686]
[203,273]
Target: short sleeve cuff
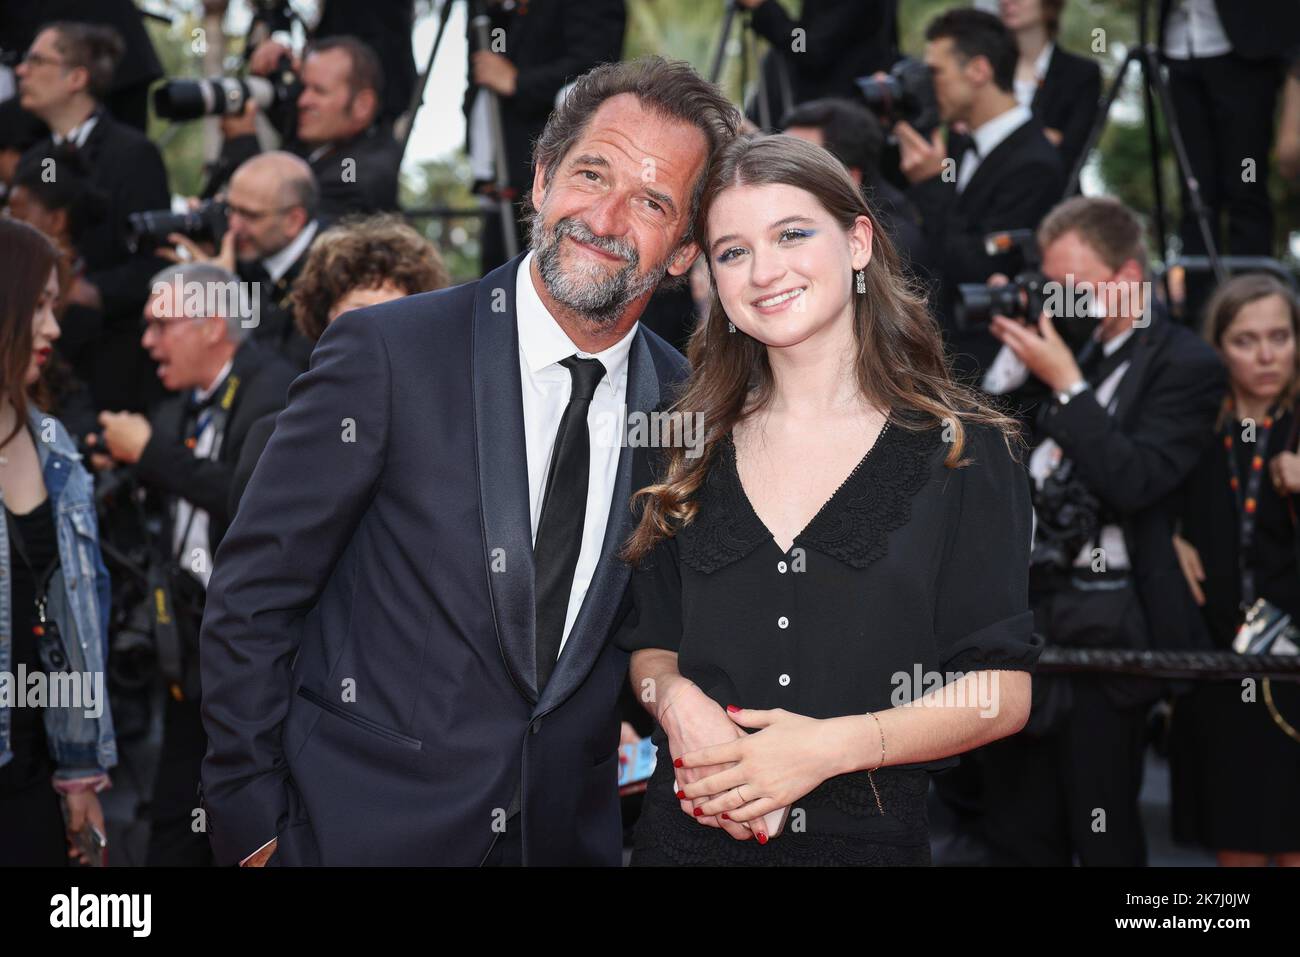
[1006,645]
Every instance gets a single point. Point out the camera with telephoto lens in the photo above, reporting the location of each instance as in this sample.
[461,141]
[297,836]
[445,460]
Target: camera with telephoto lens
[227,95]
[907,94]
[1022,298]
[150,229]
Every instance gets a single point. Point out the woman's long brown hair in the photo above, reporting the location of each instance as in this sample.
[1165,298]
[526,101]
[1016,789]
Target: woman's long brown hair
[26,258]
[900,360]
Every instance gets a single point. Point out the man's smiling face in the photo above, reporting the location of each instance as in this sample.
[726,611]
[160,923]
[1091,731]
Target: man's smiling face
[610,222]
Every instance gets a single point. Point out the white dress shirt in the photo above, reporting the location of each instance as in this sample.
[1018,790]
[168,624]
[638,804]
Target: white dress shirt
[1195,30]
[1045,458]
[191,522]
[546,388]
[277,264]
[988,137]
[1026,89]
[78,135]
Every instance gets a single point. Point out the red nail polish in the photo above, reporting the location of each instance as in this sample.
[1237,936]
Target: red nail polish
[699,812]
[725,817]
[677,762]
[762,838]
[732,708]
[681,795]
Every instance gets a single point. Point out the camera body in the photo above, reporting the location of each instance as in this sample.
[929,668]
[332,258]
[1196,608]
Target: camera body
[907,94]
[149,229]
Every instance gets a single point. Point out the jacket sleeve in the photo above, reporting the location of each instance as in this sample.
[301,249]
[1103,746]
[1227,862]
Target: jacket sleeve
[305,499]
[1134,470]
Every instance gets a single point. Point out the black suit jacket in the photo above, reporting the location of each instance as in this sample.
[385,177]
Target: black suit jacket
[129,170]
[1067,101]
[1257,29]
[276,329]
[1136,459]
[551,43]
[384,545]
[169,467]
[843,40]
[1014,187]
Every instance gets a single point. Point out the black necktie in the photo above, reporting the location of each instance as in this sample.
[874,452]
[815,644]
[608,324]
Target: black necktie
[564,509]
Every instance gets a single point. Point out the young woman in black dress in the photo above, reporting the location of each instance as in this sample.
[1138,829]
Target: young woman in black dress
[1235,745]
[853,532]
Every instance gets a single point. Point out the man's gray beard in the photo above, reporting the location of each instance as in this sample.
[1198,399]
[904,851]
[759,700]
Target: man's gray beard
[597,297]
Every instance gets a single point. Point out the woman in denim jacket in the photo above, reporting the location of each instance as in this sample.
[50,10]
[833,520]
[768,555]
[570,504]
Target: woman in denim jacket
[56,731]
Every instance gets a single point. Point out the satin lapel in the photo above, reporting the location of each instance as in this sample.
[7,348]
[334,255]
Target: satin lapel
[502,460]
[592,626]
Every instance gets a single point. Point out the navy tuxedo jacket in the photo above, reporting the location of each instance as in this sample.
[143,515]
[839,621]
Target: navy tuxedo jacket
[369,682]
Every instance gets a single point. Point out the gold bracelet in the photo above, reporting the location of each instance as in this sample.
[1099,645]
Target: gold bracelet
[871,779]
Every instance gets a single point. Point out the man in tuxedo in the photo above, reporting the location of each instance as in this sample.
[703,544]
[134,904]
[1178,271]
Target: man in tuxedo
[1127,419]
[353,158]
[405,650]
[1004,175]
[185,454]
[547,44]
[62,80]
[1227,60]
[271,223]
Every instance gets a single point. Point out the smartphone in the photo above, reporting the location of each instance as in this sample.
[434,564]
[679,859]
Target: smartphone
[93,845]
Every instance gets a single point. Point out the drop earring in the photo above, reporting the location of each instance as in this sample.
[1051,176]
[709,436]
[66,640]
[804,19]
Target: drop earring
[731,326]
[862,282]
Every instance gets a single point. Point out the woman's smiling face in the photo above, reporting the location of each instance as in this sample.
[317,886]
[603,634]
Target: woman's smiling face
[782,265]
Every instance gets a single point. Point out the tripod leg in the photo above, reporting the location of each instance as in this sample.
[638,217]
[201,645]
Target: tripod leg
[1099,123]
[1155,81]
[720,52]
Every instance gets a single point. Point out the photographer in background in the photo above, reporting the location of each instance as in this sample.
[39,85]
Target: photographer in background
[548,43]
[840,40]
[127,96]
[353,160]
[1004,175]
[1130,416]
[62,80]
[1061,88]
[270,208]
[852,134]
[383,25]
[186,453]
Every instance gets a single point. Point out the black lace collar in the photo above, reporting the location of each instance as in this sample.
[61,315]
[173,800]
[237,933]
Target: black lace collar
[852,526]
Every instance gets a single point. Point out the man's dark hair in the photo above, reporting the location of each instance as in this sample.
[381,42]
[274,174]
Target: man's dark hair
[93,46]
[670,88]
[70,188]
[364,72]
[850,132]
[976,33]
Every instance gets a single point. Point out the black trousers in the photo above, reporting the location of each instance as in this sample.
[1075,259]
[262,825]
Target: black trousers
[1073,791]
[173,842]
[1225,107]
